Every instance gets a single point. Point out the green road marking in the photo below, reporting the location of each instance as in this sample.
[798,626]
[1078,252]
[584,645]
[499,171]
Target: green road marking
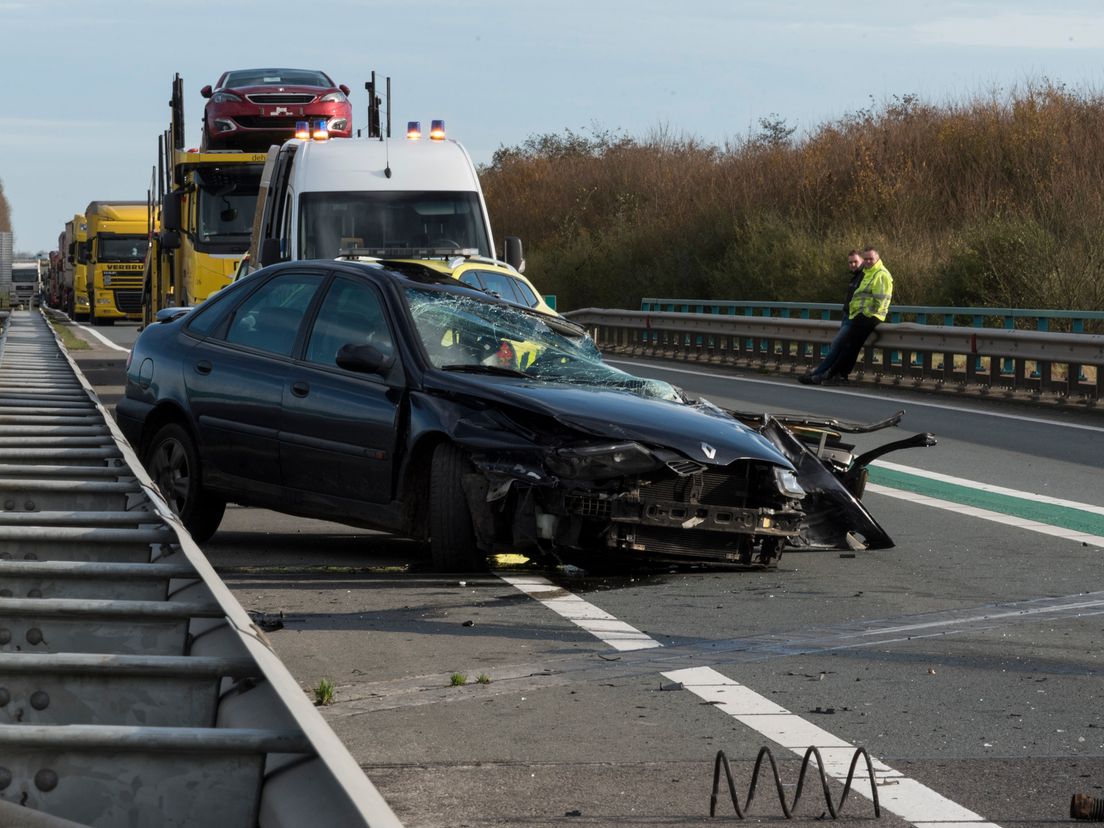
[1064,516]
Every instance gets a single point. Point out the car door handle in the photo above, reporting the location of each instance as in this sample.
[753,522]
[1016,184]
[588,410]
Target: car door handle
[203,367]
[300,389]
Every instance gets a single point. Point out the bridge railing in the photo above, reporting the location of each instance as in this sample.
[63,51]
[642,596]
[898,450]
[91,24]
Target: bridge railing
[1065,365]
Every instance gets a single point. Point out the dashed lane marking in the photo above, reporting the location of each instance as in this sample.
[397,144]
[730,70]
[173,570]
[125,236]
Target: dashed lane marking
[597,622]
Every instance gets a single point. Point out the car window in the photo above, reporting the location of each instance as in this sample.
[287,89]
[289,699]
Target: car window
[500,284]
[471,278]
[351,314]
[207,317]
[526,293]
[269,319]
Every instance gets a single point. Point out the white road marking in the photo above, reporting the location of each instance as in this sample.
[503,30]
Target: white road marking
[597,622]
[989,487]
[909,401]
[898,794]
[904,797]
[985,514]
[103,339]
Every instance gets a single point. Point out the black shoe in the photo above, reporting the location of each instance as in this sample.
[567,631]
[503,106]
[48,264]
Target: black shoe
[810,379]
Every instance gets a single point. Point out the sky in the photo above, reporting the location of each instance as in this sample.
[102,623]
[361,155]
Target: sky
[86,84]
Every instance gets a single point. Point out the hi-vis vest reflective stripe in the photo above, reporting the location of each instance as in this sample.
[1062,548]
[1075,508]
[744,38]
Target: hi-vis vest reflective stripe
[873,294]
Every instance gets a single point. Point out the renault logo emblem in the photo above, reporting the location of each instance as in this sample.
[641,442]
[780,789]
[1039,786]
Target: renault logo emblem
[708,451]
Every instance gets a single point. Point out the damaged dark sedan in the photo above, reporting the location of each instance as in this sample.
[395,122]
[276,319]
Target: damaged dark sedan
[383,395]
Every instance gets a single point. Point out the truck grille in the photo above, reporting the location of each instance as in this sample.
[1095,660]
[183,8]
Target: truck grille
[128,301]
[280,98]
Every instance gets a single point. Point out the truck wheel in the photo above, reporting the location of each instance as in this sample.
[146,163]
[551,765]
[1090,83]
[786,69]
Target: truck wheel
[451,534]
[173,463]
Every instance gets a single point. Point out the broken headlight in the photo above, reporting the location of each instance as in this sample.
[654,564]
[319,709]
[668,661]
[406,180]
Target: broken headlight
[787,484]
[602,461]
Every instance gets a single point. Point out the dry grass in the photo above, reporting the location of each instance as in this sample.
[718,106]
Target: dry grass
[997,200]
[5,211]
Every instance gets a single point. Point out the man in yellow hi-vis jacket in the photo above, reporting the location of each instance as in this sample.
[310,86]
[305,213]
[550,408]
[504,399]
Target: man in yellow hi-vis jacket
[869,306]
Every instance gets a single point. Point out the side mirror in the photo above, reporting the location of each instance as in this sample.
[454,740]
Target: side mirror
[364,359]
[169,239]
[513,254]
[170,211]
[207,91]
[344,89]
[270,252]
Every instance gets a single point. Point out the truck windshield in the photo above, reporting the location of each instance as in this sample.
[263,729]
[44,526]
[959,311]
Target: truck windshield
[390,221]
[24,275]
[226,200]
[122,249]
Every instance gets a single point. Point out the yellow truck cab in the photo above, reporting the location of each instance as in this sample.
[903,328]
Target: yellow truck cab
[118,235]
[203,205]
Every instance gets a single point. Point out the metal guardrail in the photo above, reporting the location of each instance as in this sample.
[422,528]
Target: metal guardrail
[1065,365]
[134,689]
[1039,319]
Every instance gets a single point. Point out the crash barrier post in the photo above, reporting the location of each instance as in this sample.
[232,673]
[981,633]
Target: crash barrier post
[812,752]
[1065,365]
[135,688]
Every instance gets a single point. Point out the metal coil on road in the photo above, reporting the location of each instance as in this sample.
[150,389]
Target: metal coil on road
[788,808]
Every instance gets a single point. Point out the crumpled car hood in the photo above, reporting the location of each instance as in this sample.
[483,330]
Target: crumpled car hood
[694,430]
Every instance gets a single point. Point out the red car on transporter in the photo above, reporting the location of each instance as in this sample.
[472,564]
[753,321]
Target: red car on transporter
[250,109]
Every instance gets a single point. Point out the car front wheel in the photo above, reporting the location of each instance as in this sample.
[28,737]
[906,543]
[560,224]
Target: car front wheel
[173,463]
[451,534]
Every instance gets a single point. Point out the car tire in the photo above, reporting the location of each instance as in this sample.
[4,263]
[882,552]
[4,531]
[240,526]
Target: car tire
[451,533]
[173,462]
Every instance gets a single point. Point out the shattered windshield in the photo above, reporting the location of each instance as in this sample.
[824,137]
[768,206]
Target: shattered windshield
[470,334]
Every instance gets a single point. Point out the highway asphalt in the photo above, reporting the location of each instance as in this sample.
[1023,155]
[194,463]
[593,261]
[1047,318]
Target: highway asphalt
[966,660]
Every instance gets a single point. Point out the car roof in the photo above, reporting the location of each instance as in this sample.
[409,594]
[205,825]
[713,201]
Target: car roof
[455,267]
[404,273]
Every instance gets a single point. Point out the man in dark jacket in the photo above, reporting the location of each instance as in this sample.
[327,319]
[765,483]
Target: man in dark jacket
[868,308]
[817,375]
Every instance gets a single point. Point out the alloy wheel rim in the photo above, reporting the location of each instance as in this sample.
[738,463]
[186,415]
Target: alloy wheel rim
[173,476]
